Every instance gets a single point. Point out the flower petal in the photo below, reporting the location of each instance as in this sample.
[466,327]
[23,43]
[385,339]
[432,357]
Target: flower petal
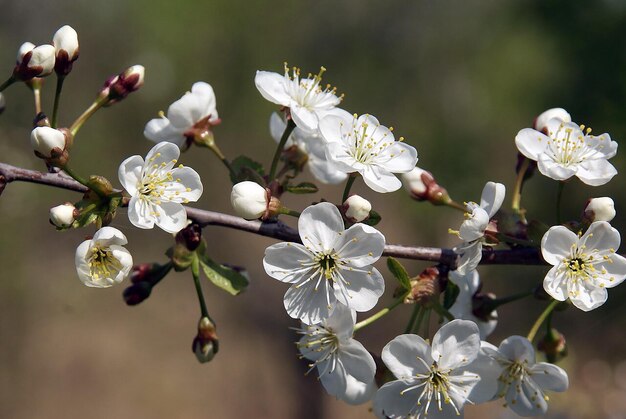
[360,245]
[272,87]
[492,197]
[402,157]
[341,322]
[129,174]
[586,296]
[612,271]
[303,117]
[596,172]
[309,304]
[549,377]
[140,213]
[358,392]
[456,344]
[518,349]
[319,226]
[160,129]
[380,179]
[391,401]
[471,255]
[107,236]
[333,127]
[356,360]
[474,226]
[553,170]
[555,284]
[171,217]
[531,143]
[600,235]
[402,353]
[284,261]
[360,290]
[161,157]
[557,244]
[187,184]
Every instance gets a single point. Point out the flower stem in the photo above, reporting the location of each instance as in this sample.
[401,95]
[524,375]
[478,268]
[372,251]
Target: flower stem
[542,317]
[417,311]
[195,271]
[75,175]
[509,299]
[371,319]
[559,195]
[519,182]
[521,242]
[7,83]
[346,191]
[76,125]
[441,310]
[36,88]
[281,145]
[456,205]
[287,211]
[57,99]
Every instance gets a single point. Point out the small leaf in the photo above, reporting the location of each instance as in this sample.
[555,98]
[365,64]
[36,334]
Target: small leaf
[301,188]
[180,256]
[398,271]
[244,168]
[223,277]
[373,219]
[451,294]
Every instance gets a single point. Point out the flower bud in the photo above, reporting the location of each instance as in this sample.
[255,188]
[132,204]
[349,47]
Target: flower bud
[422,186]
[357,208]
[484,306]
[541,122]
[47,142]
[249,199]
[118,87]
[65,43]
[190,236]
[63,215]
[34,61]
[206,344]
[3,103]
[553,345]
[137,293]
[426,287]
[599,209]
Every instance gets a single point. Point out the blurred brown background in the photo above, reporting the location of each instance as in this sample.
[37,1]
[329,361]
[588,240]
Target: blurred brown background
[457,79]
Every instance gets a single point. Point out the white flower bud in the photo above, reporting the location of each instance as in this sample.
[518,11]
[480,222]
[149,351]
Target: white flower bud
[357,208]
[25,48]
[249,200]
[45,139]
[554,113]
[3,102]
[66,39]
[62,216]
[600,209]
[413,182]
[43,56]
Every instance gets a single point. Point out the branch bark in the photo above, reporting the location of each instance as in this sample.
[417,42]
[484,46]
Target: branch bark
[279,230]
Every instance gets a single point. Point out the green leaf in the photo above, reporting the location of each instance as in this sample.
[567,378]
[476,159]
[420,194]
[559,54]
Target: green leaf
[373,219]
[223,277]
[244,168]
[398,271]
[451,294]
[301,188]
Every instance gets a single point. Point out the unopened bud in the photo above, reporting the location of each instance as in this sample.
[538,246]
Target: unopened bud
[422,186]
[34,61]
[250,200]
[118,87]
[357,208]
[541,122]
[47,142]
[3,103]
[206,344]
[425,288]
[599,209]
[101,185]
[142,272]
[190,236]
[484,306]
[63,215]
[65,43]
[553,345]
[137,293]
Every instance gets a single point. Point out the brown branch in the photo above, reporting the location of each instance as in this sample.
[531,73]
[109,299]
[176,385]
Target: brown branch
[279,230]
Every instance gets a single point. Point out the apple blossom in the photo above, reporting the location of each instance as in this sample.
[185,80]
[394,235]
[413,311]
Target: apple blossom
[332,267]
[305,97]
[345,368]
[157,189]
[62,215]
[523,381]
[194,110]
[249,199]
[361,144]
[584,266]
[102,261]
[472,230]
[436,381]
[566,151]
[600,209]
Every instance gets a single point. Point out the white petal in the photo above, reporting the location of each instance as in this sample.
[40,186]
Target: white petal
[553,170]
[549,377]
[272,87]
[557,243]
[602,144]
[140,213]
[492,197]
[612,271]
[517,348]
[337,154]
[319,226]
[107,236]
[187,184]
[390,401]
[129,174]
[332,127]
[586,296]
[471,255]
[527,400]
[380,179]
[357,361]
[596,172]
[160,129]
[402,157]
[282,259]
[400,356]
[277,127]
[600,235]
[360,245]
[172,217]
[341,322]
[456,344]
[487,386]
[161,157]
[125,259]
[303,117]
[474,227]
[531,143]
[326,172]
[555,284]
[82,265]
[358,392]
[309,304]
[206,100]
[362,290]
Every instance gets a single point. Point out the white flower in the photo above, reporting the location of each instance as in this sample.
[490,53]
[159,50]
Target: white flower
[249,199]
[345,368]
[566,151]
[34,61]
[195,110]
[157,189]
[522,381]
[62,215]
[332,267]
[46,139]
[305,97]
[541,122]
[313,145]
[436,382]
[462,308]
[66,39]
[472,230]
[357,208]
[600,209]
[361,144]
[584,266]
[102,261]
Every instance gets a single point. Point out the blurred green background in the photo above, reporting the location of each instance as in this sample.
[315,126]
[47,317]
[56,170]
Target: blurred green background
[457,79]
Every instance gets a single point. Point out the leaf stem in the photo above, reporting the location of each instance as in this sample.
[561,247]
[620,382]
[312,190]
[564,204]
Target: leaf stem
[542,317]
[417,311]
[346,191]
[78,123]
[519,182]
[371,319]
[195,272]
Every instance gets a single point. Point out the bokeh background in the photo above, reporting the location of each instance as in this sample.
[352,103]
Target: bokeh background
[458,79]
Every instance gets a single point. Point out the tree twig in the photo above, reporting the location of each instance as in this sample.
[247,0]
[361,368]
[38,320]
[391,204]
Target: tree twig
[279,230]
